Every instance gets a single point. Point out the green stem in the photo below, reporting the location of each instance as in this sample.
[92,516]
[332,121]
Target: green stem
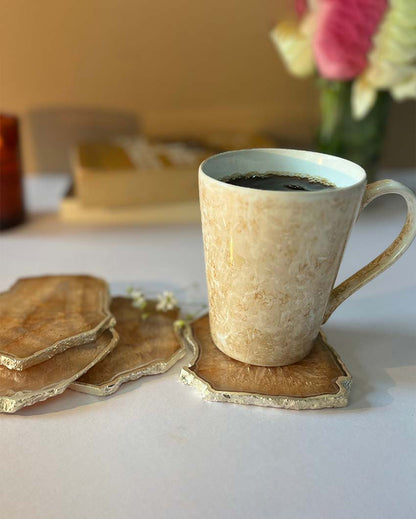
[331,107]
[340,134]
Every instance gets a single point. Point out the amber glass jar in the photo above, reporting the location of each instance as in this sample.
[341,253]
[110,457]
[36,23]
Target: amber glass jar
[11,195]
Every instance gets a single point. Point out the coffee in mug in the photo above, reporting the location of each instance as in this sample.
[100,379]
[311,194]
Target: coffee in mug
[277,181]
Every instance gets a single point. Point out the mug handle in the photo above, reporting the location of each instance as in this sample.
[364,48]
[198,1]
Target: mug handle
[386,258]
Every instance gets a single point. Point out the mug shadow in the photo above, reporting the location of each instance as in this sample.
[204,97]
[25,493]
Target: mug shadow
[371,356]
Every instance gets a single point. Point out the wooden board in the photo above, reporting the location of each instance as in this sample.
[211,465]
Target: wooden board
[146,347]
[318,381]
[50,378]
[72,211]
[43,316]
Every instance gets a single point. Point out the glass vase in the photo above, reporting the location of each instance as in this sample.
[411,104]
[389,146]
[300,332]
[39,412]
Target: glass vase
[340,134]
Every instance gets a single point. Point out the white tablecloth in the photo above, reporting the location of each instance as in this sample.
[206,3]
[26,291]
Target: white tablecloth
[155,449]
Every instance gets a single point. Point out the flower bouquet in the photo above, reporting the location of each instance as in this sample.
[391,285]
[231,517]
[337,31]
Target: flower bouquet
[364,54]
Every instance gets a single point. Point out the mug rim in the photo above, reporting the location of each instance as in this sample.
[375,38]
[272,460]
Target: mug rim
[330,162]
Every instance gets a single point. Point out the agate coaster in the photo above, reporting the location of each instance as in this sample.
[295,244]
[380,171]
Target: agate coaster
[43,316]
[319,381]
[148,345]
[50,378]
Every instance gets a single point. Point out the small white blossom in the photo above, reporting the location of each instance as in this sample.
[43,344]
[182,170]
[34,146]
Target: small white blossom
[166,302]
[139,299]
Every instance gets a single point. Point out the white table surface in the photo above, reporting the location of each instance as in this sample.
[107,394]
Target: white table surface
[155,449]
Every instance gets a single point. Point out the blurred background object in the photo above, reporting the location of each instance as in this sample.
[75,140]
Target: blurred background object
[102,68]
[54,131]
[365,54]
[131,179]
[11,193]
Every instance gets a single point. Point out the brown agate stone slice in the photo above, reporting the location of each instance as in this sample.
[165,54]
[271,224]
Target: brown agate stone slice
[43,316]
[50,378]
[148,345]
[320,380]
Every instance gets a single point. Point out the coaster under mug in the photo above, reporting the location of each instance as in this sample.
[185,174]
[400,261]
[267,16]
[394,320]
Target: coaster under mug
[319,381]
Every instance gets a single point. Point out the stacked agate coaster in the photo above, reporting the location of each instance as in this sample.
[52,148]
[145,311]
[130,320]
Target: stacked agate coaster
[148,345]
[321,380]
[60,331]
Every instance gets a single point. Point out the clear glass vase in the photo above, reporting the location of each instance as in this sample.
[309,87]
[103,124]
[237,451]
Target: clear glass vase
[342,135]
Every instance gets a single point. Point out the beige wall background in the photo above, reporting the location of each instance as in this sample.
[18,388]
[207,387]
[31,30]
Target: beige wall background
[77,69]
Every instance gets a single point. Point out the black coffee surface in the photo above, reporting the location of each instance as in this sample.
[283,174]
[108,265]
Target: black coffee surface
[276,181]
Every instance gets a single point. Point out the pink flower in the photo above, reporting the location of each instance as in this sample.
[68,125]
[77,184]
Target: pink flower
[343,35]
[301,7]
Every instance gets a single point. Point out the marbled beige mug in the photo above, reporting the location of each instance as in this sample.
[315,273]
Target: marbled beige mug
[272,257]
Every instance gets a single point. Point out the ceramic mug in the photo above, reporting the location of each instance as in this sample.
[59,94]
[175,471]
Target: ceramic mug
[272,257]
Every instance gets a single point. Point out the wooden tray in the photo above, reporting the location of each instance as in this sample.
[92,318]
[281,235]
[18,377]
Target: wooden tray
[320,380]
[147,347]
[22,388]
[131,170]
[43,316]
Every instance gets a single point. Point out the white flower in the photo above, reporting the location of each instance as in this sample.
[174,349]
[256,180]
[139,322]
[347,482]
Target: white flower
[139,299]
[392,61]
[294,43]
[166,302]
